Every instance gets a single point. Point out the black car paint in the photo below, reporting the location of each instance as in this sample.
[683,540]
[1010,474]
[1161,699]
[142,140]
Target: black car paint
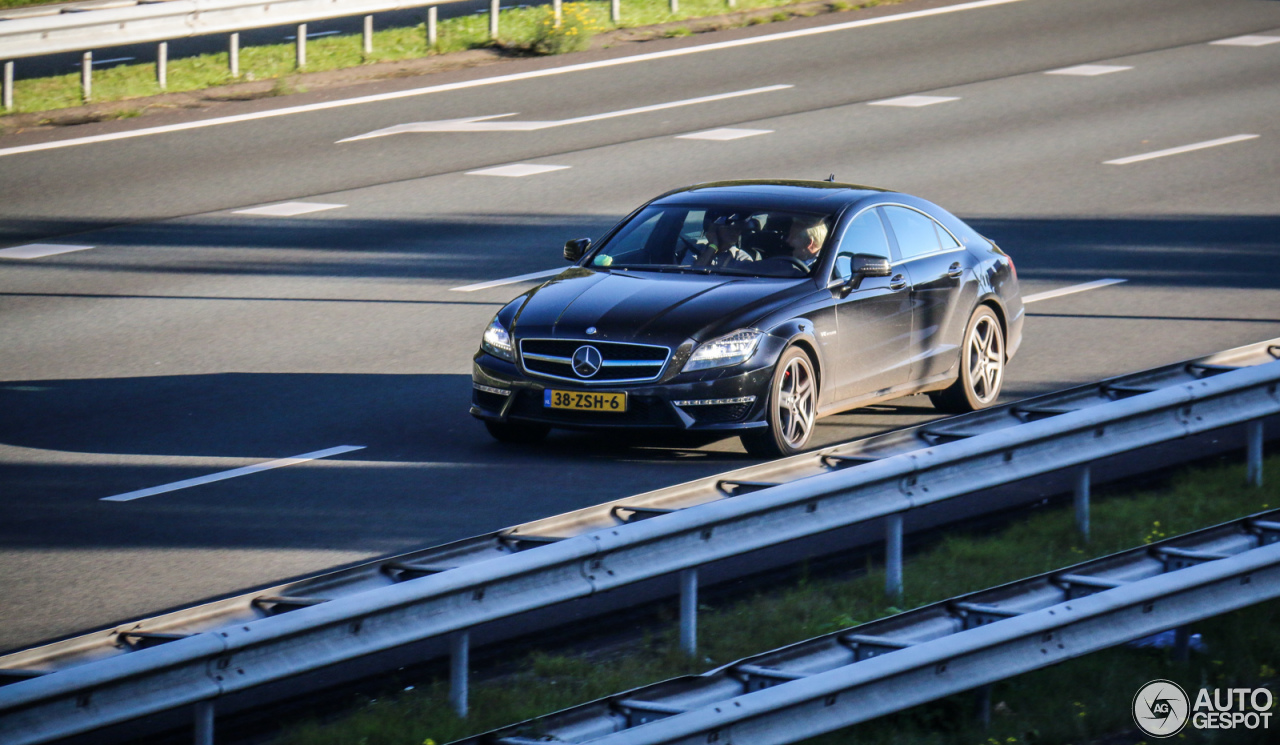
[893,342]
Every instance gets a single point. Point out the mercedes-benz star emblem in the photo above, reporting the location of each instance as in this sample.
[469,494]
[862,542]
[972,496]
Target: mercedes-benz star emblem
[587,361]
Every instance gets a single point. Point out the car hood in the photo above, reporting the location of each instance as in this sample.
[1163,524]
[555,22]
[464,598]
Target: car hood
[648,306]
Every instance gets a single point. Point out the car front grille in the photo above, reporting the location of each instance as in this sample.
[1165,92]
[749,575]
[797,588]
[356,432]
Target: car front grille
[613,362]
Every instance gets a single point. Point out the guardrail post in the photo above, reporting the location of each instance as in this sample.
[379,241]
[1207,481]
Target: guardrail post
[459,665]
[233,54]
[1083,479]
[204,723]
[8,86]
[1253,448]
[162,65]
[86,76]
[494,9]
[1182,644]
[983,704]
[689,611]
[302,45]
[893,556]
[431,27]
[675,6]
[557,9]
[615,11]
[368,34]
[732,3]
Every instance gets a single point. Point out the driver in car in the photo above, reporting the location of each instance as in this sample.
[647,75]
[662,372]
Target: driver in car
[805,238]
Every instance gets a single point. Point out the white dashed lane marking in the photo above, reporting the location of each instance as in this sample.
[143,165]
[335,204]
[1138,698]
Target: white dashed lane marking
[1247,41]
[1179,150]
[516,170]
[224,475]
[727,133]
[507,281]
[1073,289]
[913,101]
[289,209]
[1089,70]
[39,250]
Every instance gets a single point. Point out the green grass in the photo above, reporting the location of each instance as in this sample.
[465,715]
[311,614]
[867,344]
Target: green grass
[522,29]
[1075,702]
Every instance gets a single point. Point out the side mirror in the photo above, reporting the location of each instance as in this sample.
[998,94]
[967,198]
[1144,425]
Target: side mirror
[861,266]
[576,248]
[868,265]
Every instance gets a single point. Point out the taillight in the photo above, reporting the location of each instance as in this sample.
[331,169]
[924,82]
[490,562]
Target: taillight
[1013,269]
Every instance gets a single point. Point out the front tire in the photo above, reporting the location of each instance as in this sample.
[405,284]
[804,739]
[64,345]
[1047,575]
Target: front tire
[517,433]
[981,366]
[792,404]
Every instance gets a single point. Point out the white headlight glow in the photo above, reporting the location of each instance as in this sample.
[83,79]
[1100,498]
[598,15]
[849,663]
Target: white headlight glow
[497,342]
[727,350]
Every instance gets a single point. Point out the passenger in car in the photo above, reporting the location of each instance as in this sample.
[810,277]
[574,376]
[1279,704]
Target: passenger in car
[723,235]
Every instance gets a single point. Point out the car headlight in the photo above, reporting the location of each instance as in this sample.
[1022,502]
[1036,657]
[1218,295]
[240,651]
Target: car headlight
[727,350]
[497,342]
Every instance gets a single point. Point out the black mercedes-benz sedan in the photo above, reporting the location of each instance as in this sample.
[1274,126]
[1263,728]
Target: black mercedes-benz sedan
[752,308]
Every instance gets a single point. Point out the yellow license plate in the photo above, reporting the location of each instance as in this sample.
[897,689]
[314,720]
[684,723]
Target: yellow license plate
[585,401]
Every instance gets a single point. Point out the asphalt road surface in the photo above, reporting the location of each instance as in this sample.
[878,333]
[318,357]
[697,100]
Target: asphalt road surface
[190,338]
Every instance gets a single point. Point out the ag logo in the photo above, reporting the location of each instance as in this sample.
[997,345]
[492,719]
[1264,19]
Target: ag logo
[1160,709]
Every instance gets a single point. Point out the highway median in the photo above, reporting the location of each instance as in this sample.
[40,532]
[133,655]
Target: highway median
[129,90]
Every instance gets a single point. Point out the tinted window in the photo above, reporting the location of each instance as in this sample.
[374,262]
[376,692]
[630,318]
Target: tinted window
[915,232]
[761,241]
[947,240]
[865,235]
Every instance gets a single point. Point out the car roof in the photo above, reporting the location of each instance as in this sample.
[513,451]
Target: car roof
[822,196]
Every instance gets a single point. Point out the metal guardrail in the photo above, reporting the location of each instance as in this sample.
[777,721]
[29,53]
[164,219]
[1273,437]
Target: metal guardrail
[537,566]
[860,673]
[77,27]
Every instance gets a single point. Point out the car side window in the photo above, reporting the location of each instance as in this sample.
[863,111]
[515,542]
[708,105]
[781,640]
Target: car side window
[865,235]
[915,232]
[945,238]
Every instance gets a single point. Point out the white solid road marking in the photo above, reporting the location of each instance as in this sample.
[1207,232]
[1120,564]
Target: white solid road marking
[1179,150]
[1247,41]
[516,170]
[39,250]
[724,134]
[507,281]
[913,101]
[486,123]
[281,463]
[288,209]
[1073,289]
[799,33]
[1089,70]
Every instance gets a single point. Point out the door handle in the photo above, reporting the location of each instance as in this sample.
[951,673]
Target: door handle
[955,270]
[897,283]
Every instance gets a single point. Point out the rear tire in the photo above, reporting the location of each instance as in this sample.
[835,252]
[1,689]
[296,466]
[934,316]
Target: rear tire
[981,366]
[792,404]
[517,433]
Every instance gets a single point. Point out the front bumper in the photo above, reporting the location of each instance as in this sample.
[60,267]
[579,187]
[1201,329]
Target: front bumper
[501,392]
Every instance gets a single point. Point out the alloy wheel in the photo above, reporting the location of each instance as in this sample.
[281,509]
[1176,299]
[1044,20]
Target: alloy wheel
[796,402]
[985,358]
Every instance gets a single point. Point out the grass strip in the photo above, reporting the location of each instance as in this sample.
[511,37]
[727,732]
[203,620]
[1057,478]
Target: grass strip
[528,30]
[1081,701]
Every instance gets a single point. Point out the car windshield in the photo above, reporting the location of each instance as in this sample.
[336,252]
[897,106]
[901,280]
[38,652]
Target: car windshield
[747,241]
